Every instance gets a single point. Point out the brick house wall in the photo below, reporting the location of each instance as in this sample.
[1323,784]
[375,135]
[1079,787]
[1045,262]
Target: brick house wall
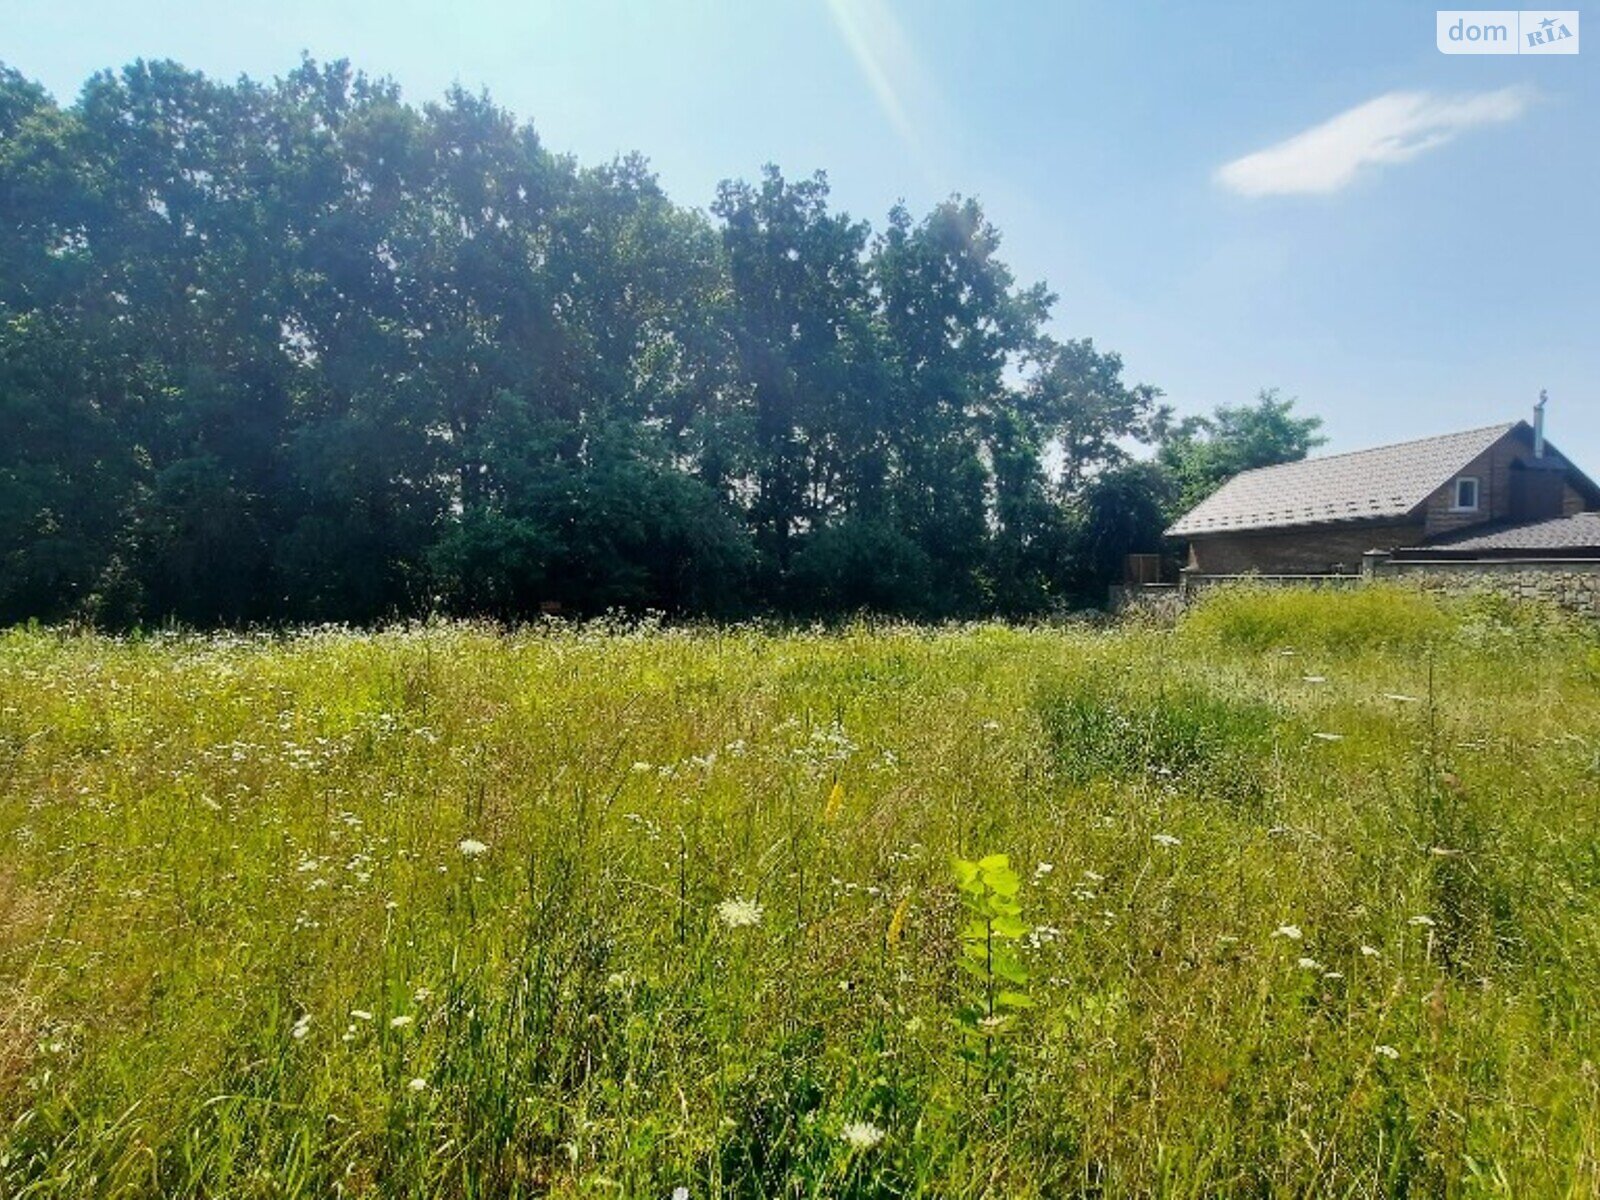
[1314,551]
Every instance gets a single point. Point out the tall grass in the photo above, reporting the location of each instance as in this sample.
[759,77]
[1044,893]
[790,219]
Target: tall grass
[1311,890]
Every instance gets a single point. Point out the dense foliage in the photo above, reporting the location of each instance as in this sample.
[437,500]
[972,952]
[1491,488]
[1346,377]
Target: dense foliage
[1298,899]
[1201,452]
[299,350]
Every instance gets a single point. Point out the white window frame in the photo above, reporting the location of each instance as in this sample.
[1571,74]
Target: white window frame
[1477,494]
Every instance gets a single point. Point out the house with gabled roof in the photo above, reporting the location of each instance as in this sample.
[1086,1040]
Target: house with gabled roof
[1491,492]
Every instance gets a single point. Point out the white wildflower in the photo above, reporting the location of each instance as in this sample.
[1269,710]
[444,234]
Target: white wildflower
[680,1193]
[1292,932]
[1328,737]
[418,1084]
[361,1014]
[1314,678]
[738,913]
[1165,839]
[471,847]
[1399,699]
[302,1026]
[1310,964]
[399,1022]
[861,1135]
[1421,919]
[1386,1051]
[1370,951]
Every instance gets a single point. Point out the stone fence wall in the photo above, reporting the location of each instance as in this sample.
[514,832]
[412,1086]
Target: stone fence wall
[1571,583]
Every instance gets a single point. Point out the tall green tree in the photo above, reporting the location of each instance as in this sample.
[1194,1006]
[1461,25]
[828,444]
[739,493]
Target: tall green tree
[954,323]
[809,399]
[301,350]
[1204,452]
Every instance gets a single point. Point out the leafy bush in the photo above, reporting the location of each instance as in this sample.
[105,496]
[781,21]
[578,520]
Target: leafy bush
[861,565]
[1261,618]
[1488,620]
[1186,733]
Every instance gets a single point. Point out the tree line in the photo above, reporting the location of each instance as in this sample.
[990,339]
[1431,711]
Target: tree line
[301,351]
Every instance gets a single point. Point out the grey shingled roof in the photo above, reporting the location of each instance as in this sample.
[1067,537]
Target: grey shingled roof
[1384,483]
[1578,532]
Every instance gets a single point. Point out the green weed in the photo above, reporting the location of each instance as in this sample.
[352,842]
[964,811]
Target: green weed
[617,909]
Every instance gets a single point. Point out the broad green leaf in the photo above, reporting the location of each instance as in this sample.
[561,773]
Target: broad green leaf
[1009,969]
[975,930]
[1009,927]
[976,970]
[1005,882]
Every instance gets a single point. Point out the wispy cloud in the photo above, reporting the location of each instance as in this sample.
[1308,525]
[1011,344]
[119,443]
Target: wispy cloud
[1393,128]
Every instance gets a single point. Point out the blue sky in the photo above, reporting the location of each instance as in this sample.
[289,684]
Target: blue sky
[1307,196]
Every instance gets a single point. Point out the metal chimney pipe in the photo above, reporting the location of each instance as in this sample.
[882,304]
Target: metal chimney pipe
[1538,424]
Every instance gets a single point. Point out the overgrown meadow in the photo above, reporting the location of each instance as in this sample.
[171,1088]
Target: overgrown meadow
[1299,898]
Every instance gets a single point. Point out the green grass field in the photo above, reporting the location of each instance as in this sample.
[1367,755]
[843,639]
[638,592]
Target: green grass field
[1302,898]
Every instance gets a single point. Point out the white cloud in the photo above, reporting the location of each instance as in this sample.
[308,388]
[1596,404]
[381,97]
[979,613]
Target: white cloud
[1393,128]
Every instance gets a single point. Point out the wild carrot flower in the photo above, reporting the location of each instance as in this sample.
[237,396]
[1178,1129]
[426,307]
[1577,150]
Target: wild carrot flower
[1165,839]
[1386,1051]
[302,1026]
[739,913]
[471,847]
[399,1022]
[418,1084]
[1292,932]
[1421,919]
[861,1135]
